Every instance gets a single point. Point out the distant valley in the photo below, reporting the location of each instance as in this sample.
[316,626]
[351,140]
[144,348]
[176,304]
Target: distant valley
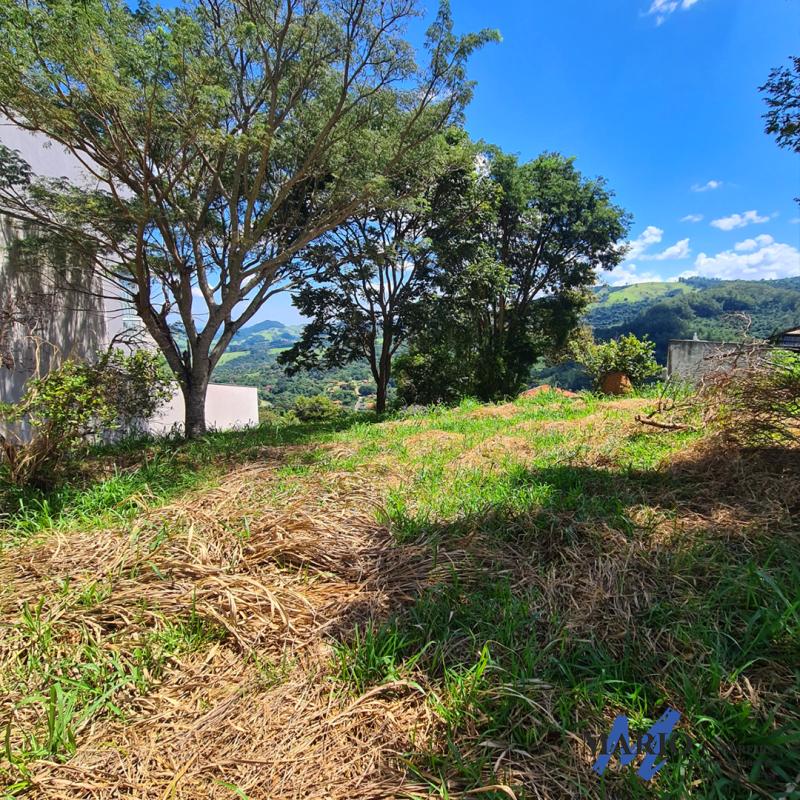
[712,309]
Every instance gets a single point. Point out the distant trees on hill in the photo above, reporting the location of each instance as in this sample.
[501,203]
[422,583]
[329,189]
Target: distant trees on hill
[709,312]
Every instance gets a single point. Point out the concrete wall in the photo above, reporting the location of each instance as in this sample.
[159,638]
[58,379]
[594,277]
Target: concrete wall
[227,407]
[690,359]
[51,311]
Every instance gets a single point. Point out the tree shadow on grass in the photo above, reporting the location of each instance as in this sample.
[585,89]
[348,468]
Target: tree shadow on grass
[621,591]
[119,475]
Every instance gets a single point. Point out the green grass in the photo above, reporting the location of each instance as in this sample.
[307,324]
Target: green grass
[610,296]
[232,355]
[160,470]
[66,677]
[597,580]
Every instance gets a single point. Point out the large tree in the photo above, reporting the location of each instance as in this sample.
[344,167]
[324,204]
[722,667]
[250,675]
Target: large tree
[218,139]
[514,274]
[371,273]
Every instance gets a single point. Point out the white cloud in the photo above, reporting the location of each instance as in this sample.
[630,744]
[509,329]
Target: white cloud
[761,258]
[678,250]
[739,220]
[795,221]
[749,245]
[709,186]
[692,218]
[650,235]
[663,8]
[629,273]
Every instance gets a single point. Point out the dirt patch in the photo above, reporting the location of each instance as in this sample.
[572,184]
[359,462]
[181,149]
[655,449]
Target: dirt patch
[547,388]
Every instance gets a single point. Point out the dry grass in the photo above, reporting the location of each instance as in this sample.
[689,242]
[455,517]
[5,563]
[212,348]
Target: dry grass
[285,573]
[315,567]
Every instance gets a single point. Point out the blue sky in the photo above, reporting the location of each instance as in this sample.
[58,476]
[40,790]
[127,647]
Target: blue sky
[661,98]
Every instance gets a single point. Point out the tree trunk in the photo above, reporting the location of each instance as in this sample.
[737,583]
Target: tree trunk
[194,397]
[380,400]
[384,370]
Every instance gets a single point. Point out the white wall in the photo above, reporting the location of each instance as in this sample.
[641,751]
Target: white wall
[80,323]
[227,407]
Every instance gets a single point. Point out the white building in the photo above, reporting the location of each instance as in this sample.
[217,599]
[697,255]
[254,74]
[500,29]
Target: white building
[47,315]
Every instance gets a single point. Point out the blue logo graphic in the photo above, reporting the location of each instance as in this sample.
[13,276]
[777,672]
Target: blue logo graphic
[653,744]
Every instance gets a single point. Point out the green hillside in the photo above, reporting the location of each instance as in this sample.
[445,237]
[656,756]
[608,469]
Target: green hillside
[711,309]
[252,361]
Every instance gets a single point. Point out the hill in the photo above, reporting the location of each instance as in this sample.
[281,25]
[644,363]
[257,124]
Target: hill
[712,309]
[251,361]
[434,606]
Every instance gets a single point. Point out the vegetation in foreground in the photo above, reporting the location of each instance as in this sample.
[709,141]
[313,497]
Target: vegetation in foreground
[438,605]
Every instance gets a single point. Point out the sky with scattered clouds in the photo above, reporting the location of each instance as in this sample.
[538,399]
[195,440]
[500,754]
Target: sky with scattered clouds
[661,98]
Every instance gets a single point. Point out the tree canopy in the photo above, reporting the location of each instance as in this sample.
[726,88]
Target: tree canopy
[782,96]
[518,246]
[218,140]
[373,272]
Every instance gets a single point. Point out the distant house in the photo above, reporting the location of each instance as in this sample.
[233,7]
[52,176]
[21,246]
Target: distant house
[54,307]
[789,340]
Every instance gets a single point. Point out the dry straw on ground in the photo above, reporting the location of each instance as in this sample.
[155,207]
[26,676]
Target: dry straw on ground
[281,574]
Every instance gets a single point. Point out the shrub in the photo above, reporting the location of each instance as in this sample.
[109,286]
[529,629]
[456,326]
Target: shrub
[319,408]
[62,412]
[758,403]
[627,354]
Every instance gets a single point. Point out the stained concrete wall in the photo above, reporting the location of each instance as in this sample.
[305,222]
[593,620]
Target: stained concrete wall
[690,359]
[52,308]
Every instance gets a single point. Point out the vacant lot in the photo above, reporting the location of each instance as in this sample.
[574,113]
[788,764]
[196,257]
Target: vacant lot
[435,606]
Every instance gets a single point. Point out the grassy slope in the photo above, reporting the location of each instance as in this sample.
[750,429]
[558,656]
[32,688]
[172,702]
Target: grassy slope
[414,608]
[635,293]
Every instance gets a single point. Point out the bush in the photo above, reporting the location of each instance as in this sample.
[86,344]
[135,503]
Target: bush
[319,408]
[63,411]
[758,403]
[627,354]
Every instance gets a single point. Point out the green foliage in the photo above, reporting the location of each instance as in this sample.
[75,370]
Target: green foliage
[706,307]
[73,403]
[241,131]
[518,247]
[372,273]
[782,96]
[627,354]
[319,408]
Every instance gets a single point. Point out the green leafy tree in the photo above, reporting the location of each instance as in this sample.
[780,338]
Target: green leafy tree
[219,139]
[370,274]
[782,96]
[318,408]
[518,246]
[627,354]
